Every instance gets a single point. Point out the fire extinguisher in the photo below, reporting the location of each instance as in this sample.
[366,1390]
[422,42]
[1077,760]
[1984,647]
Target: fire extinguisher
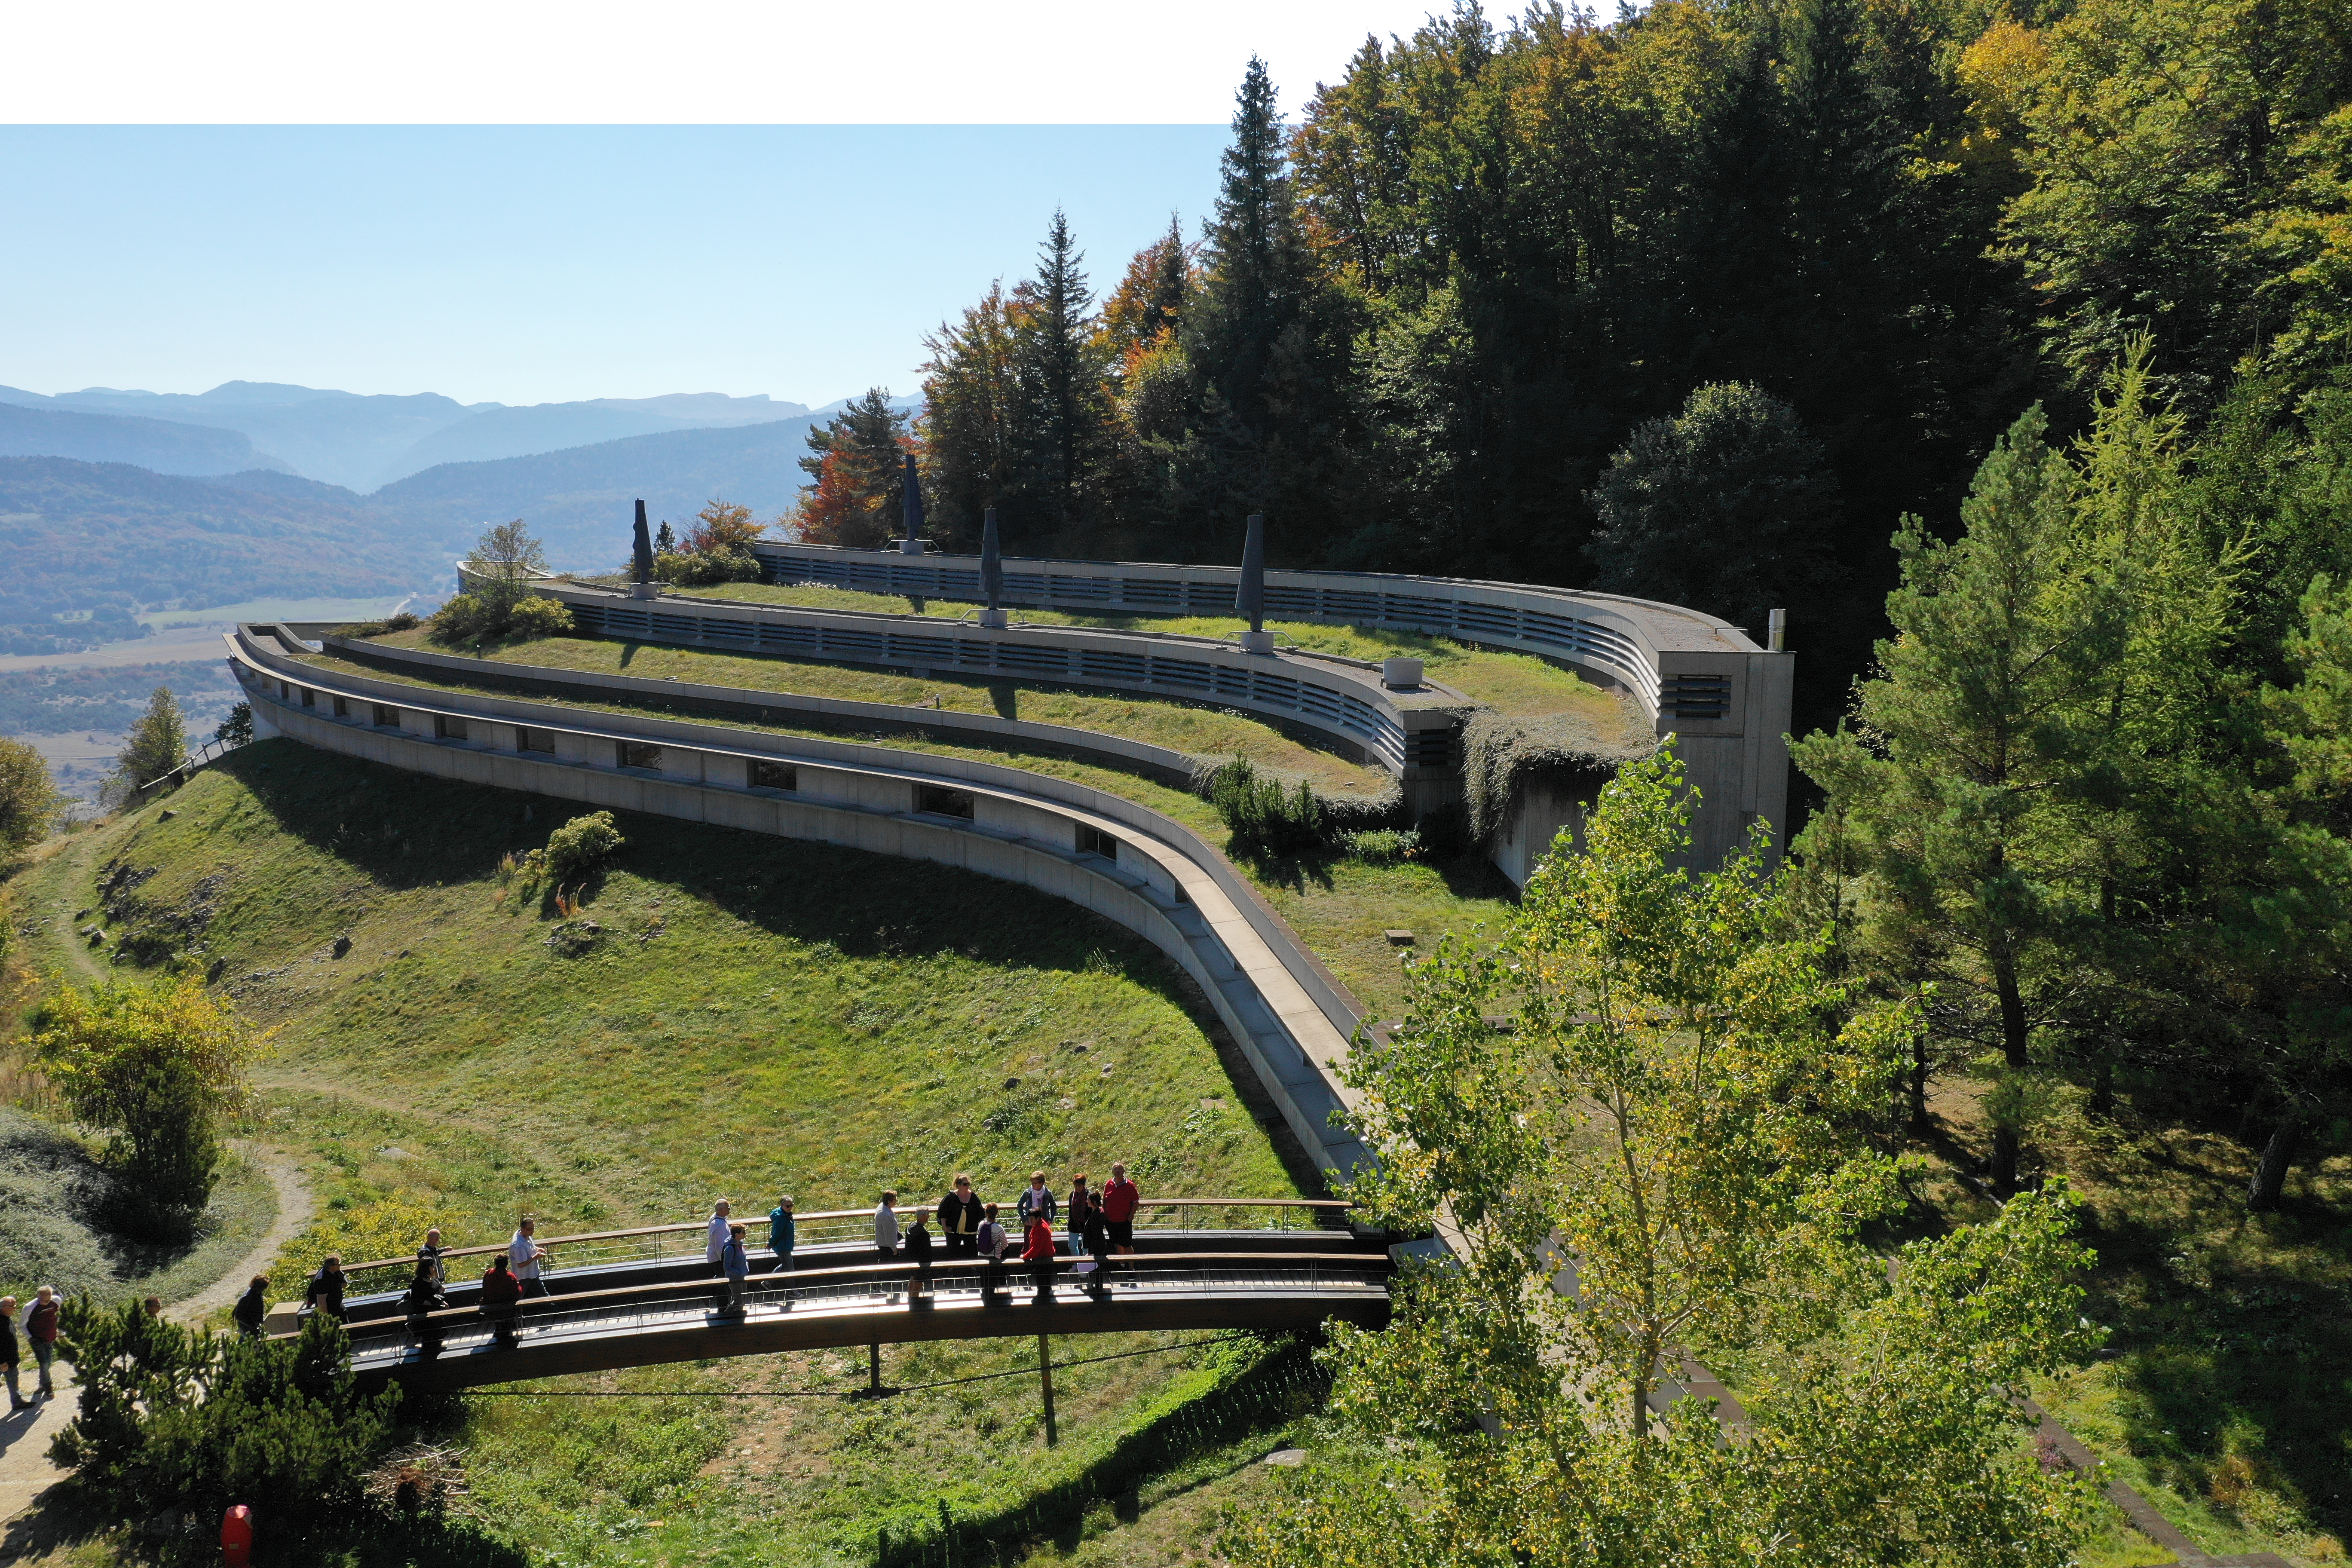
[236,1537]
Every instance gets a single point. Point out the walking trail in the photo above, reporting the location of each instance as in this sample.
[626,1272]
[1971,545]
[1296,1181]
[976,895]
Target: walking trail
[24,1468]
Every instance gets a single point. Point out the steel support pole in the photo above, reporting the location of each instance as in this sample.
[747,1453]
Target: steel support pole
[874,1368]
[1046,1382]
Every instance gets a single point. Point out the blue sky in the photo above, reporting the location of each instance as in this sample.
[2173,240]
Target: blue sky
[527,265]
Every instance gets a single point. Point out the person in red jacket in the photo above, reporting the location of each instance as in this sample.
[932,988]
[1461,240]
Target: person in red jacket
[1039,1254]
[502,1300]
[1119,1203]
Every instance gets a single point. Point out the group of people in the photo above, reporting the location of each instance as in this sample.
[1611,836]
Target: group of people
[1100,1226]
[39,1330]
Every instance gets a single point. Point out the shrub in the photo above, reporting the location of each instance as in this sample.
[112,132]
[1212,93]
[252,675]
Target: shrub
[581,845]
[697,569]
[463,619]
[470,617]
[175,1416]
[538,617]
[29,802]
[1266,822]
[156,1068]
[1385,846]
[402,622]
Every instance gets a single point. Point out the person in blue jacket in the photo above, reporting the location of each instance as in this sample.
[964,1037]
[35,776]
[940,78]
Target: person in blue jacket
[781,1234]
[736,1264]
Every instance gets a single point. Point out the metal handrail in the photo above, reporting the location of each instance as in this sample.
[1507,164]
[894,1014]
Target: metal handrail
[861,1279]
[702,1225]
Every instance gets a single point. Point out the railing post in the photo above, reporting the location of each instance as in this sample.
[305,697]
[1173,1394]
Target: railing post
[1046,1383]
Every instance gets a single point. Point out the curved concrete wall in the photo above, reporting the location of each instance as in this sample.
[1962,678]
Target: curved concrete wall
[1129,863]
[1706,683]
[1165,762]
[1411,733]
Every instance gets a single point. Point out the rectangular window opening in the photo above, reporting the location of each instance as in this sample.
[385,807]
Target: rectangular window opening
[386,718]
[447,728]
[534,739]
[342,709]
[937,800]
[1094,841]
[774,775]
[309,697]
[638,755]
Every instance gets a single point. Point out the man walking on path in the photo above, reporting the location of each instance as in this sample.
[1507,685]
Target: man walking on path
[9,1354]
[719,1224]
[1118,1205]
[919,1247]
[736,1264]
[782,1235]
[885,1227]
[523,1255]
[960,1218]
[41,1327]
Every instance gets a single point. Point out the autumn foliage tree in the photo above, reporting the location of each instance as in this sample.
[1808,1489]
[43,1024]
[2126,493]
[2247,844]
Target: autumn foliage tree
[856,459]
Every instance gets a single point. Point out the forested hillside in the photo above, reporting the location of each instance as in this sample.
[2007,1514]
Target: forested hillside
[158,444]
[105,540]
[1494,259]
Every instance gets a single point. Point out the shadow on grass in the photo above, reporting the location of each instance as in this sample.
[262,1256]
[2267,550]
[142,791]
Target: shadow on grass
[1281,1384]
[405,831]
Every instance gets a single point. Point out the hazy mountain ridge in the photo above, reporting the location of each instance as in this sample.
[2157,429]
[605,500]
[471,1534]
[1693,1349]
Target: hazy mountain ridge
[363,441]
[580,500]
[164,445]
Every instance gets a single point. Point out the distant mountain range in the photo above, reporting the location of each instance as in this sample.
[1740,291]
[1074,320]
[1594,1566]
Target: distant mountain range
[358,442]
[192,502]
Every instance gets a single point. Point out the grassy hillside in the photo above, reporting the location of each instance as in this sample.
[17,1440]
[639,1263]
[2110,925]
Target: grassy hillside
[756,1016]
[1340,909]
[111,539]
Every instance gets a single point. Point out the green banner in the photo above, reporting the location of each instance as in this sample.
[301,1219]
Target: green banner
[707,62]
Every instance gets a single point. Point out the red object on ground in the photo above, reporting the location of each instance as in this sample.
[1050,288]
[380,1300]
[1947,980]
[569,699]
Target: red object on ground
[236,1537]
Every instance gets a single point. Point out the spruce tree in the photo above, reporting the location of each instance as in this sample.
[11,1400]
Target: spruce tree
[1058,369]
[1259,266]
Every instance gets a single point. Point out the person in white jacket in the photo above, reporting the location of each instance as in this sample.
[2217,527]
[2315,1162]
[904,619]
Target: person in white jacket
[885,1227]
[718,1235]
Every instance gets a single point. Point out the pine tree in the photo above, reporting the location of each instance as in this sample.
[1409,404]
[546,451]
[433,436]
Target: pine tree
[1968,751]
